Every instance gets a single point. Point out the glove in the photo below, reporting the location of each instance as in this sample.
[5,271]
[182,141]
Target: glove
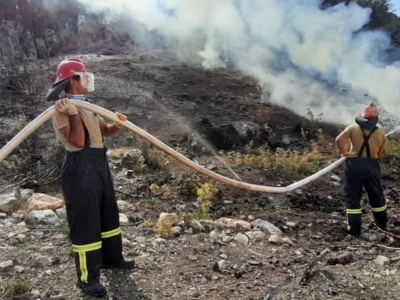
[121,117]
[64,106]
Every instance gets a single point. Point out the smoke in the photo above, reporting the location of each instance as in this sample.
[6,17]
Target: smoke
[304,57]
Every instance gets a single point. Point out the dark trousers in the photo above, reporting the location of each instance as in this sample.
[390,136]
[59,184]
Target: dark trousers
[92,212]
[359,173]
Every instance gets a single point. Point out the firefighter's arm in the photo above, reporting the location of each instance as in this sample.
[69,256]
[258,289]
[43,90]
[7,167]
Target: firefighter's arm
[74,132]
[382,149]
[341,142]
[111,129]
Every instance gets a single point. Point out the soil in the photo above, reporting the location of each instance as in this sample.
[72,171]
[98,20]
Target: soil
[201,112]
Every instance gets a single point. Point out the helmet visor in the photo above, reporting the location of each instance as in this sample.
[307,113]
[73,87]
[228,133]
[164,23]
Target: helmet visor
[87,80]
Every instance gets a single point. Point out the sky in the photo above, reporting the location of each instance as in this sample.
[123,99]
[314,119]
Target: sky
[396,6]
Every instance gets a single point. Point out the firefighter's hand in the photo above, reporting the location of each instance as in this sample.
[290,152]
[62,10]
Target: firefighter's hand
[345,154]
[64,106]
[121,117]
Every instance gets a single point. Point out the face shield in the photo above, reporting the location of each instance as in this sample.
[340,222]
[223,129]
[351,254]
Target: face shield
[87,80]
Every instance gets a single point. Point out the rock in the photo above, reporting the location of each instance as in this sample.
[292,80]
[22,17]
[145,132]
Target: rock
[131,158]
[212,167]
[123,205]
[6,264]
[26,194]
[3,215]
[291,224]
[254,263]
[196,226]
[242,239]
[42,217]
[189,231]
[8,202]
[40,201]
[382,260]
[266,227]
[337,184]
[61,212]
[219,266]
[342,259]
[225,223]
[43,261]
[208,225]
[287,241]
[172,218]
[177,231]
[275,239]
[336,178]
[223,256]
[47,249]
[255,234]
[19,269]
[251,218]
[192,258]
[123,219]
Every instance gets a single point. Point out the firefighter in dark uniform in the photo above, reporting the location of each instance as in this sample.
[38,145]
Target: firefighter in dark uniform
[91,206]
[362,168]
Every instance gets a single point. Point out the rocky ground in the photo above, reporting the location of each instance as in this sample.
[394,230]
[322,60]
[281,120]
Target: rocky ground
[256,246]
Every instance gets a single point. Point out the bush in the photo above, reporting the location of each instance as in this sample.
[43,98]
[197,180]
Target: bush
[289,163]
[206,195]
[164,229]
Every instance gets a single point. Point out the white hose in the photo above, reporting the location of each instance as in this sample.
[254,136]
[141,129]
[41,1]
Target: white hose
[46,115]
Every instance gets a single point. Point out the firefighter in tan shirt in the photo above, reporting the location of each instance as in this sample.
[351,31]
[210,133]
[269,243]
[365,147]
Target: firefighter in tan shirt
[362,168]
[92,210]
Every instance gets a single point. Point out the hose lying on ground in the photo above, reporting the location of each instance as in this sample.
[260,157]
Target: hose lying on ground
[46,115]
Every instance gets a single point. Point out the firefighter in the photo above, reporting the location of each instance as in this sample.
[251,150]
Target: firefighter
[92,210]
[362,168]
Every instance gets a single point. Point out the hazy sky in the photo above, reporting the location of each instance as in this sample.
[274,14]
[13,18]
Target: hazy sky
[396,6]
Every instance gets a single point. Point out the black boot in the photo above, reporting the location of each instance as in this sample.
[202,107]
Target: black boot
[95,289]
[122,264]
[381,219]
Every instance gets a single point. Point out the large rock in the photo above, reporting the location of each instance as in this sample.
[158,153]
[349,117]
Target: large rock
[266,227]
[40,201]
[8,202]
[47,217]
[226,223]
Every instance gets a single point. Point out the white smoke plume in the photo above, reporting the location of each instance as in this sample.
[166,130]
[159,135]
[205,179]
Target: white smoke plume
[303,56]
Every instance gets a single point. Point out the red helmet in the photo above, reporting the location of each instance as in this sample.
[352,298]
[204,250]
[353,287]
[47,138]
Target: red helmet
[371,111]
[67,68]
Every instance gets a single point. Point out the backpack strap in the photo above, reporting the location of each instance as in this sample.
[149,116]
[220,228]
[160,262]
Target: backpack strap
[365,144]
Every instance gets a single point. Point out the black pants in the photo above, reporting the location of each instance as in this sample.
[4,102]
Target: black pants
[359,173]
[92,212]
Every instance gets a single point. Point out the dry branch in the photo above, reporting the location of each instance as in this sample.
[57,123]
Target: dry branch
[307,272]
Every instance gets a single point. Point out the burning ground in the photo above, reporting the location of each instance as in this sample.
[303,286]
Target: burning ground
[216,118]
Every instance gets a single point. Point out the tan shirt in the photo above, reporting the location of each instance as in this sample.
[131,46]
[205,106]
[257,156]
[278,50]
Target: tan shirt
[375,142]
[92,123]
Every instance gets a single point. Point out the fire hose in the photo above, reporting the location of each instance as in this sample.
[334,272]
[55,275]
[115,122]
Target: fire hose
[46,115]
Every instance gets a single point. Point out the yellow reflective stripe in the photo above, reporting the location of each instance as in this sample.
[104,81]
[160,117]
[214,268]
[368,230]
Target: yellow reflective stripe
[379,209]
[353,211]
[83,267]
[111,233]
[86,248]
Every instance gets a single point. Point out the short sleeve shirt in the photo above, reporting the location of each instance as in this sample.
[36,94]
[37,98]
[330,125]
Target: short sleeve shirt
[90,120]
[375,142]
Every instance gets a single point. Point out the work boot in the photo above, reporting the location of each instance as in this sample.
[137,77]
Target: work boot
[122,264]
[95,289]
[347,230]
[381,219]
